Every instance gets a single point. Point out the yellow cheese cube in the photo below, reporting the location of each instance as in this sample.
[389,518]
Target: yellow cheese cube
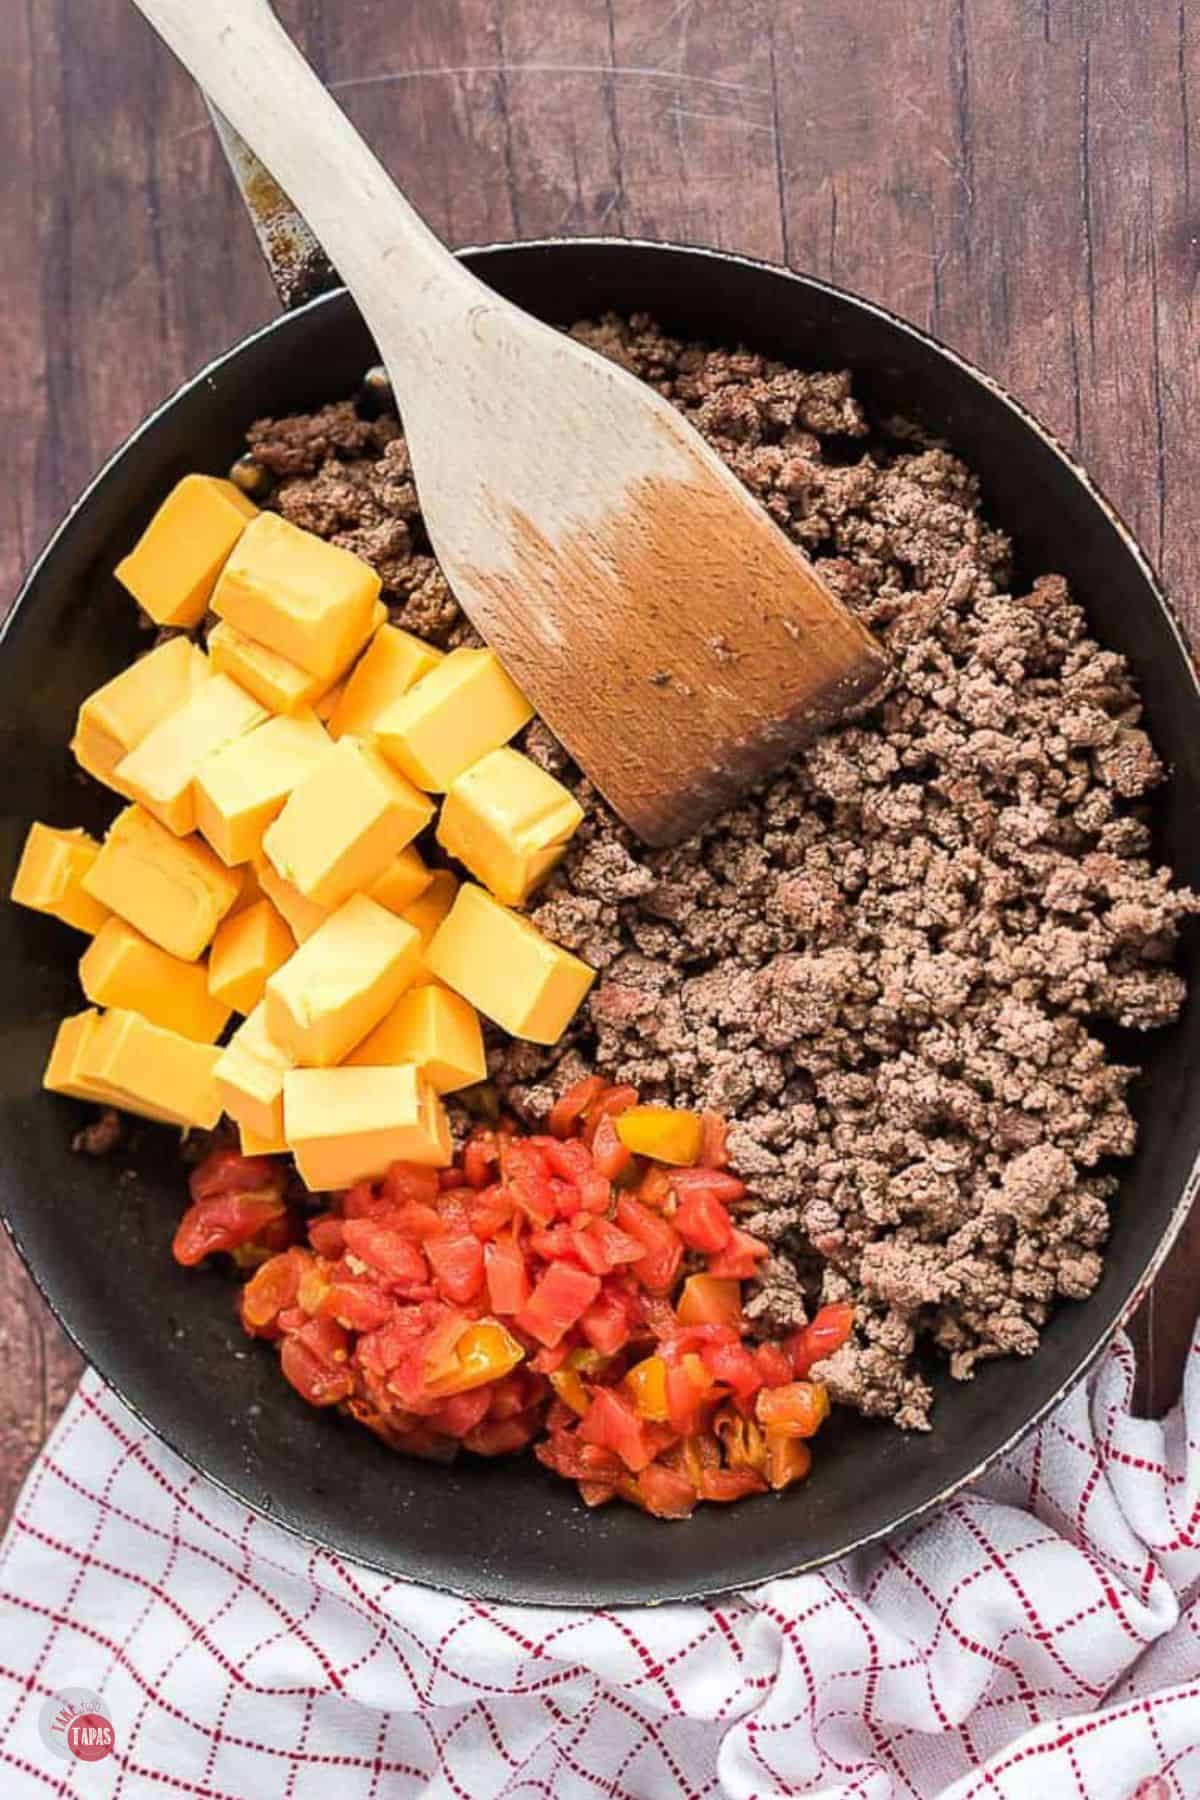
[404,880]
[250,1075]
[161,772]
[251,1144]
[247,949]
[122,968]
[509,822]
[250,890]
[173,567]
[393,662]
[437,1031]
[309,600]
[427,912]
[503,965]
[453,716]
[303,916]
[281,685]
[241,787]
[114,720]
[153,1072]
[327,705]
[173,889]
[339,984]
[50,875]
[65,1071]
[344,823]
[347,1125]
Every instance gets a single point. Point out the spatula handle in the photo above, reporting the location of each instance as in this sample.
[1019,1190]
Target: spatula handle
[405,282]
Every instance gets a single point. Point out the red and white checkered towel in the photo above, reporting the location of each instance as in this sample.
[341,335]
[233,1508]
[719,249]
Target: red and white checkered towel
[1039,1637]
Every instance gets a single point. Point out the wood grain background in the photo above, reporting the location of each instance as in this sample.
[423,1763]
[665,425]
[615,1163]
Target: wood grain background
[1016,175]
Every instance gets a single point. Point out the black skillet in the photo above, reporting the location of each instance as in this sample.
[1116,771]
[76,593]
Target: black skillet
[99,1246]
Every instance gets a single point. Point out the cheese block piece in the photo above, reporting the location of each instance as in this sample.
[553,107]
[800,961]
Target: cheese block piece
[173,889]
[160,774]
[242,786]
[392,663]
[339,984]
[344,823]
[303,916]
[247,949]
[431,907]
[309,600]
[122,968]
[281,685]
[404,880]
[327,705]
[172,569]
[453,716]
[504,966]
[508,822]
[250,1075]
[347,1125]
[251,1144]
[50,876]
[157,1073]
[66,1071]
[437,1031]
[250,890]
[114,720]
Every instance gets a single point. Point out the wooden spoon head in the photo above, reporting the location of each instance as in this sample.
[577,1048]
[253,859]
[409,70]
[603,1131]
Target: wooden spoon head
[669,634]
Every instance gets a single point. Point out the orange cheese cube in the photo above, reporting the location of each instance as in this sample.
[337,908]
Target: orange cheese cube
[392,663]
[122,968]
[50,876]
[504,966]
[281,685]
[173,889]
[250,1144]
[340,983]
[173,567]
[249,1078]
[69,1060]
[303,916]
[404,880]
[437,1031]
[453,716]
[290,590]
[431,907]
[242,786]
[247,949]
[344,823]
[114,720]
[347,1125]
[154,1072]
[160,774]
[508,822]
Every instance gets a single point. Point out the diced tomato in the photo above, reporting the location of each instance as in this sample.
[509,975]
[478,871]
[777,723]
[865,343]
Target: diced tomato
[358,1305]
[714,1153]
[609,1105]
[548,1360]
[797,1410]
[689,1391]
[608,1322]
[654,1189]
[613,1424]
[500,1437]
[740,1258]
[415,1220]
[406,1181]
[516,1392]
[460,1413]
[457,1264]
[363,1201]
[601,1246]
[713,1184]
[225,1220]
[666,1493]
[571,1106]
[556,1243]
[609,1154]
[325,1235]
[316,1381]
[774,1364]
[658,1268]
[395,1258]
[827,1331]
[226,1172]
[709,1300]
[596,1493]
[561,1295]
[506,1276]
[272,1287]
[481,1159]
[731,1484]
[703,1223]
[733,1365]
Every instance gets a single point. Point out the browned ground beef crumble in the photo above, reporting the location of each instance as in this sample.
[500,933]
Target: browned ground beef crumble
[883,964]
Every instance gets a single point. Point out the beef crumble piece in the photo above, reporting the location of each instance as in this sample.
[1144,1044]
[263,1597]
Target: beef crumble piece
[886,963]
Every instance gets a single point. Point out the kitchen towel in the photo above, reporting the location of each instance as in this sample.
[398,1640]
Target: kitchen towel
[1038,1636]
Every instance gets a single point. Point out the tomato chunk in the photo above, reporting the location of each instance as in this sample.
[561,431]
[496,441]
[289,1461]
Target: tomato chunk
[612,1424]
[457,1264]
[562,1295]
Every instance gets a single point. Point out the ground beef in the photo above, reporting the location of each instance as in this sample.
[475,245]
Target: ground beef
[887,965]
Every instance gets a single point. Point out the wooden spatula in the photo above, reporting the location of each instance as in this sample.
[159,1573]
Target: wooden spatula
[659,621]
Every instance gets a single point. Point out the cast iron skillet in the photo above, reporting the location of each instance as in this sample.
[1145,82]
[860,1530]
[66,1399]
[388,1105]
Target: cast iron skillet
[99,1247]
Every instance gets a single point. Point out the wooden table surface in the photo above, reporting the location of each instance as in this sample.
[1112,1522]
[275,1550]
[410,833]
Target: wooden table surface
[1017,177]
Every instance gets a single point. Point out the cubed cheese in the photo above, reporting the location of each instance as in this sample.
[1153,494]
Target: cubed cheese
[249,1078]
[509,822]
[327,705]
[309,600]
[122,968]
[173,567]
[503,965]
[281,685]
[402,882]
[250,890]
[303,916]
[347,1125]
[50,876]
[344,823]
[114,720]
[247,949]
[70,1059]
[453,716]
[339,984]
[431,907]
[242,786]
[173,889]
[250,1144]
[392,663]
[160,774]
[435,1029]
[153,1072]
